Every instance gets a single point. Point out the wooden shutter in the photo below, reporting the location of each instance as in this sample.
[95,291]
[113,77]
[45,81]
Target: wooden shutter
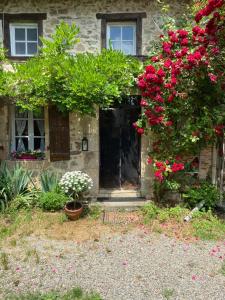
[59,135]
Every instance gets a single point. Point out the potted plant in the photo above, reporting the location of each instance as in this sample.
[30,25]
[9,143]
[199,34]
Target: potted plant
[75,184]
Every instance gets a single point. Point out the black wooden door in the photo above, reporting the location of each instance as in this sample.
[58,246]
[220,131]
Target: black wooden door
[119,148]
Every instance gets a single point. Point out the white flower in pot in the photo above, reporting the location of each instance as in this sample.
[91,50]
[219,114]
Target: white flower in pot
[75,184]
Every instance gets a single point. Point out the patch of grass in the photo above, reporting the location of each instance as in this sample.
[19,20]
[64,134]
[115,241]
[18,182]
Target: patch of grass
[168,293]
[207,226]
[222,270]
[74,294]
[10,222]
[152,212]
[13,242]
[95,211]
[204,225]
[4,260]
[32,253]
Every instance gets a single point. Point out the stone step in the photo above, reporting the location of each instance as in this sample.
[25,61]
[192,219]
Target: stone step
[119,194]
[129,206]
[121,203]
[121,199]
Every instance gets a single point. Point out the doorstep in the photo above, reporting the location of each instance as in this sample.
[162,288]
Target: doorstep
[126,199]
[115,193]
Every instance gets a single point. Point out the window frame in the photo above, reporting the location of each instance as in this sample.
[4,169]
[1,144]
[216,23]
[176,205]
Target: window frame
[121,25]
[7,19]
[13,27]
[122,18]
[30,123]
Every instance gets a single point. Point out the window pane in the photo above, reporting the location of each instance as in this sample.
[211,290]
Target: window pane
[21,144]
[127,48]
[39,144]
[115,33]
[20,48]
[39,128]
[21,114]
[31,48]
[19,34]
[21,127]
[128,33]
[32,34]
[116,45]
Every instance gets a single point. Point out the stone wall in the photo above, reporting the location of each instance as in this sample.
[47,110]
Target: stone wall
[83,13]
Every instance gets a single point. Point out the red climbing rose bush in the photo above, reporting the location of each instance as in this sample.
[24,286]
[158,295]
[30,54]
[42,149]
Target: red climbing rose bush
[183,90]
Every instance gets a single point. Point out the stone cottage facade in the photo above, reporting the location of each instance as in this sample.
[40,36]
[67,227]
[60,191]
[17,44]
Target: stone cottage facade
[20,22]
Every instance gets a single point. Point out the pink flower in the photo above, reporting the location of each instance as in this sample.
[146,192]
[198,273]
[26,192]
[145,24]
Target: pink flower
[183,33]
[140,131]
[184,42]
[150,69]
[168,123]
[213,77]
[143,103]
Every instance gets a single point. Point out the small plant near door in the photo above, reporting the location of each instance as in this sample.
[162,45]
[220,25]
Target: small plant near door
[75,184]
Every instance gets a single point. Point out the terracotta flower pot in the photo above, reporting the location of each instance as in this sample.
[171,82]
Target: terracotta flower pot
[73,210]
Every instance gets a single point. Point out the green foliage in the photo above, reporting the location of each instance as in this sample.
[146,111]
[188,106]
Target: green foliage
[52,201]
[168,293]
[73,82]
[12,220]
[207,226]
[176,213]
[204,192]
[150,211]
[49,182]
[203,225]
[24,201]
[95,211]
[13,182]
[74,294]
[222,271]
[4,261]
[3,75]
[63,39]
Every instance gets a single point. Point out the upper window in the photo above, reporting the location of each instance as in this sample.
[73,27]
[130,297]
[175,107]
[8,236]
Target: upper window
[28,130]
[21,34]
[24,39]
[122,37]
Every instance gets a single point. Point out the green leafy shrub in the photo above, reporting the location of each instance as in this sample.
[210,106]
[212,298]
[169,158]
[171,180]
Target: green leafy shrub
[49,182]
[52,201]
[13,182]
[205,192]
[150,211]
[24,201]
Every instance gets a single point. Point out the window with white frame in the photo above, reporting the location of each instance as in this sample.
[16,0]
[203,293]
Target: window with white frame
[28,130]
[122,37]
[23,39]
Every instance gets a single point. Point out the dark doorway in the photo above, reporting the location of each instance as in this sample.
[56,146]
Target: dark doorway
[119,147]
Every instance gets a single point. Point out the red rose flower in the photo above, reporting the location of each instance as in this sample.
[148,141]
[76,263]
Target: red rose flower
[140,131]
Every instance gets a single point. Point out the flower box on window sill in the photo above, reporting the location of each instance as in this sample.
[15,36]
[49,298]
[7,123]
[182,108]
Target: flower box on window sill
[32,155]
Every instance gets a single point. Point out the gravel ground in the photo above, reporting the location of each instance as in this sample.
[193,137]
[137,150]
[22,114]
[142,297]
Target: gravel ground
[137,265]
